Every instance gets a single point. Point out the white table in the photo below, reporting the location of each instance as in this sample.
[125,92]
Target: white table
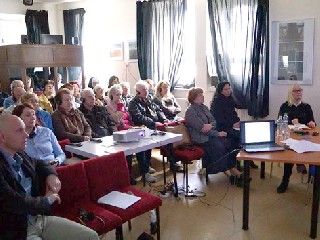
[91,149]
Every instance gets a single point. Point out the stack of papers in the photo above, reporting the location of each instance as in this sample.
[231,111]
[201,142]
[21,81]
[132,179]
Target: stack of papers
[298,126]
[301,146]
[119,199]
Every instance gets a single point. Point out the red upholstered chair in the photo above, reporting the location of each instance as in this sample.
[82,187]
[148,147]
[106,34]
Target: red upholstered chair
[75,195]
[110,173]
[63,144]
[184,152]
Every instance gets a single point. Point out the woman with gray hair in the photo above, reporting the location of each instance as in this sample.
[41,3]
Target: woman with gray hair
[11,100]
[117,109]
[100,96]
[126,96]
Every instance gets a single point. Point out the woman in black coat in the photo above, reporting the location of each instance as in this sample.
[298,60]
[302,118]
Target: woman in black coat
[223,109]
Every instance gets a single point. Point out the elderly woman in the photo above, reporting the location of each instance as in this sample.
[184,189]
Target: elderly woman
[43,118]
[41,143]
[47,94]
[93,82]
[126,96]
[227,120]
[17,94]
[166,101]
[202,128]
[117,109]
[298,112]
[100,96]
[12,99]
[69,122]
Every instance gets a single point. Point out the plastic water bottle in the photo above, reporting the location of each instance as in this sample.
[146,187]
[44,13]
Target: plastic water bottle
[153,222]
[286,130]
[279,127]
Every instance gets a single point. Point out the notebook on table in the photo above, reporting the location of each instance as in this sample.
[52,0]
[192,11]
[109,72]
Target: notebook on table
[259,136]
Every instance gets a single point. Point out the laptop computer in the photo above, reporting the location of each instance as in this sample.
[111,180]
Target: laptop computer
[259,136]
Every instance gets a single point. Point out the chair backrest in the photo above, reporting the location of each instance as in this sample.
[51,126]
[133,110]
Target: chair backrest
[63,144]
[74,184]
[107,173]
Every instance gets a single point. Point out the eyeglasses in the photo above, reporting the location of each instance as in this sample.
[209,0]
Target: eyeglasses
[297,90]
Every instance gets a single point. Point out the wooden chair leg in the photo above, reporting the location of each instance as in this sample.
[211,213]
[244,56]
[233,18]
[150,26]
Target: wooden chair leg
[129,225]
[158,223]
[119,233]
[271,169]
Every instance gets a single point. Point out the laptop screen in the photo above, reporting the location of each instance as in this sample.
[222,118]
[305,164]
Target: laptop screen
[253,132]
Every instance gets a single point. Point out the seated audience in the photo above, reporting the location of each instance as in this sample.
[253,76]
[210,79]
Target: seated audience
[126,96]
[41,143]
[17,94]
[69,122]
[201,126]
[99,120]
[3,96]
[167,102]
[93,82]
[223,110]
[43,118]
[71,88]
[298,112]
[76,92]
[145,112]
[100,96]
[28,189]
[11,99]
[47,94]
[117,110]
[113,80]
[150,86]
[96,116]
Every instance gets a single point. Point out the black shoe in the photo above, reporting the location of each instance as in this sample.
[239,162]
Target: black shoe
[253,165]
[178,168]
[282,187]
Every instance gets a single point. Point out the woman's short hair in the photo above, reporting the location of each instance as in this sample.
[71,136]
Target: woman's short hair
[58,97]
[159,86]
[125,84]
[97,87]
[113,90]
[48,82]
[68,86]
[193,93]
[16,83]
[27,96]
[18,110]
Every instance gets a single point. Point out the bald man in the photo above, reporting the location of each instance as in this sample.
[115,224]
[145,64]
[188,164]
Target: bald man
[23,210]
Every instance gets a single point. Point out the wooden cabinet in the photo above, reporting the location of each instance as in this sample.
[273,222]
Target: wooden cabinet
[23,56]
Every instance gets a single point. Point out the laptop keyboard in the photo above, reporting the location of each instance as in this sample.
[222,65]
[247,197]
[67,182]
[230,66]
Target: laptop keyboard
[266,145]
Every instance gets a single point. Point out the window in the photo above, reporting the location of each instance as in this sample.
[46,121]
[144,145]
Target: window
[12,26]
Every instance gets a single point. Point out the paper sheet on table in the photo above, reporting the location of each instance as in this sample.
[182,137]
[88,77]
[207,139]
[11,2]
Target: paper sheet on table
[301,146]
[299,126]
[119,199]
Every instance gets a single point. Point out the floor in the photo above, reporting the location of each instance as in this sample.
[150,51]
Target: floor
[217,212]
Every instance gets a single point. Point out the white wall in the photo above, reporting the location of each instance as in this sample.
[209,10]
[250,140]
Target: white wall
[285,10]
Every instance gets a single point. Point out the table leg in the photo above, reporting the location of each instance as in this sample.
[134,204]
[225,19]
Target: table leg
[172,162]
[315,203]
[246,189]
[263,170]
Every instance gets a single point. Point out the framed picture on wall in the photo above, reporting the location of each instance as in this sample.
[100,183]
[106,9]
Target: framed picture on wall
[116,51]
[132,51]
[292,52]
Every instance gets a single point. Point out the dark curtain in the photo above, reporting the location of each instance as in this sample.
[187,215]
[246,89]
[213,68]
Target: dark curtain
[37,24]
[73,20]
[239,31]
[160,29]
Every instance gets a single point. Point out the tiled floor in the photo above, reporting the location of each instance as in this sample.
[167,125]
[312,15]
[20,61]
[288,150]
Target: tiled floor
[218,214]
